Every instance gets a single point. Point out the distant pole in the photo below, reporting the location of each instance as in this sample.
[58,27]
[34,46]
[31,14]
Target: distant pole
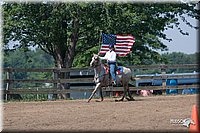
[37,96]
[100,41]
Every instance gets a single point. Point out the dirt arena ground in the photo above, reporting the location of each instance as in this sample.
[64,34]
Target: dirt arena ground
[151,114]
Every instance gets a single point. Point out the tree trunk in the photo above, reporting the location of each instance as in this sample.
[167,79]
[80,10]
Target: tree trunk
[64,58]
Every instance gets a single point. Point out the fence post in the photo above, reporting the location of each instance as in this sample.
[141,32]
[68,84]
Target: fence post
[9,85]
[55,85]
[55,77]
[37,96]
[164,77]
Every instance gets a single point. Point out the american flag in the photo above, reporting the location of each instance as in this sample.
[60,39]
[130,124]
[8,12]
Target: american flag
[122,43]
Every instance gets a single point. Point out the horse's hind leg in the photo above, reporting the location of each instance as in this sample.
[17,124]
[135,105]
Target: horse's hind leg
[120,99]
[129,94]
[124,95]
[94,91]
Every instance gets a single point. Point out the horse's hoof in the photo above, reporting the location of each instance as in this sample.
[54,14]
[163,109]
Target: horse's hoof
[118,100]
[97,101]
[132,99]
[88,101]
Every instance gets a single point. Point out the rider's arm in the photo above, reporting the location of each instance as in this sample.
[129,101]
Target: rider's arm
[105,57]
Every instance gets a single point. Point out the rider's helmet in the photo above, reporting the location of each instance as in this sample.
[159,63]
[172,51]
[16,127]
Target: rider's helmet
[111,46]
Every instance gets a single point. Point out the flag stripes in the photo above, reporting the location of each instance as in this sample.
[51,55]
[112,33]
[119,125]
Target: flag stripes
[122,43]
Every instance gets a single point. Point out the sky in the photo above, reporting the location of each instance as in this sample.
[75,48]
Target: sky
[182,43]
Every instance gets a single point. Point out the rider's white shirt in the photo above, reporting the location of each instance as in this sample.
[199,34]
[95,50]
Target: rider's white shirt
[110,56]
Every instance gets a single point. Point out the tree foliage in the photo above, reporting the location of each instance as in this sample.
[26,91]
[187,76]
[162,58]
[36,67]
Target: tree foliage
[29,59]
[70,32]
[180,58]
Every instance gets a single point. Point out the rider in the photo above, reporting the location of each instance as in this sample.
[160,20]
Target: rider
[110,56]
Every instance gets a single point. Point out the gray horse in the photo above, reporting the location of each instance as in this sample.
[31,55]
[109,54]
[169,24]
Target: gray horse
[101,78]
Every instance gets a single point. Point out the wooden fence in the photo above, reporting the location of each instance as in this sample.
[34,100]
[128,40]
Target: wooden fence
[9,81]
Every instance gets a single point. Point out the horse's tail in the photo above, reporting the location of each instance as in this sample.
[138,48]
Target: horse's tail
[132,78]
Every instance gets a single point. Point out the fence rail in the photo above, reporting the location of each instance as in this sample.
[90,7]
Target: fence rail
[55,80]
[86,80]
[90,69]
[164,66]
[78,89]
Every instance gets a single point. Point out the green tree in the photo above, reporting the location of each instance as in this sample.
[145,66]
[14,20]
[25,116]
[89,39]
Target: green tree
[28,59]
[69,30]
[180,58]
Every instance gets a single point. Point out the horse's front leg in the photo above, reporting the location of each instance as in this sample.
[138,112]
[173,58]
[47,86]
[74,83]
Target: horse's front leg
[101,93]
[94,91]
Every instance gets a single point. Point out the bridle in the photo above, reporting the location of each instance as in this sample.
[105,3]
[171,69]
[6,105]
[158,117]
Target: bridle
[96,62]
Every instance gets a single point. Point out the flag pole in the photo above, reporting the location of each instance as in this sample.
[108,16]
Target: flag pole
[100,41]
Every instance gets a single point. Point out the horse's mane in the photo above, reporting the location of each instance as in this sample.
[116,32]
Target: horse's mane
[100,61]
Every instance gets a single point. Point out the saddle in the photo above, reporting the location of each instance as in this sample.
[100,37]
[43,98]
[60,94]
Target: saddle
[119,70]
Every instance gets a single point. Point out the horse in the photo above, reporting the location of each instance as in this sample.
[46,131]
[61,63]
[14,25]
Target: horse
[102,78]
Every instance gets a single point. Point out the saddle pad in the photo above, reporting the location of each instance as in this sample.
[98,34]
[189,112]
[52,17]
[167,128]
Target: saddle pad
[106,69]
[119,70]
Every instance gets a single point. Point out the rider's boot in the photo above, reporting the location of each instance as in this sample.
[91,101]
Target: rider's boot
[114,83]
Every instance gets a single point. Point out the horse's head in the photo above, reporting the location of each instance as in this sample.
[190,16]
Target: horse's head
[95,61]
